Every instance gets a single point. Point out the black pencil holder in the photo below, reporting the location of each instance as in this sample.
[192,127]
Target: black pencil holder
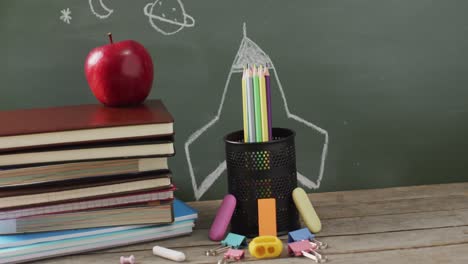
[262,170]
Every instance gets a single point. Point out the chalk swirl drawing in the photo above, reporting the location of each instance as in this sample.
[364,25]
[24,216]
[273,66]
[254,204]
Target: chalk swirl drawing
[106,12]
[168,16]
[250,53]
[66,15]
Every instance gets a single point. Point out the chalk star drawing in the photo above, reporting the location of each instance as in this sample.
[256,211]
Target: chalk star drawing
[168,16]
[106,12]
[250,53]
[66,15]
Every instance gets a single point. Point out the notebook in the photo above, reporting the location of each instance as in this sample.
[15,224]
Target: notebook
[79,170]
[89,152]
[29,196]
[32,128]
[146,213]
[102,202]
[92,243]
[182,212]
[77,244]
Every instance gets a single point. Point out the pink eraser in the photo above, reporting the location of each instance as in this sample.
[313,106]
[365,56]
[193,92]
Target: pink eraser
[223,218]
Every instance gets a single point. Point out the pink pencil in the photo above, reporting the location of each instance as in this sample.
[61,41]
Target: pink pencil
[268,96]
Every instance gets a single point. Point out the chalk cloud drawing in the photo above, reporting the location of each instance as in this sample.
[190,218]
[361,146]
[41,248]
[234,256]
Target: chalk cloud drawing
[250,53]
[168,16]
[102,14]
[66,15]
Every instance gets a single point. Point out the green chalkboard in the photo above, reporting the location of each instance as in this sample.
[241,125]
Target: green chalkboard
[386,81]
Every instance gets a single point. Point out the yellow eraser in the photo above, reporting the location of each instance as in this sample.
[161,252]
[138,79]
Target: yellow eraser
[306,210]
[265,247]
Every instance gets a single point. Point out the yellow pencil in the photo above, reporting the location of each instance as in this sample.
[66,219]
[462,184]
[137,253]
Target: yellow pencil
[244,108]
[263,104]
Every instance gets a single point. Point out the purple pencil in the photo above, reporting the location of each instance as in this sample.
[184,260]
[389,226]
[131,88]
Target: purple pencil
[268,95]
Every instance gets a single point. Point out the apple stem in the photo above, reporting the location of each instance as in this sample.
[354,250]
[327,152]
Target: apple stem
[110,37]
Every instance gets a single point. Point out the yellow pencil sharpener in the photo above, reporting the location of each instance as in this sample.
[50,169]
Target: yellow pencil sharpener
[265,247]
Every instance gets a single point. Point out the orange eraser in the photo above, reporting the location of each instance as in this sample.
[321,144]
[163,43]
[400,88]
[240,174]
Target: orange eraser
[267,217]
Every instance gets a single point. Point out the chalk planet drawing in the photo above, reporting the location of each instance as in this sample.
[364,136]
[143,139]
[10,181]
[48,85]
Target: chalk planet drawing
[168,16]
[95,5]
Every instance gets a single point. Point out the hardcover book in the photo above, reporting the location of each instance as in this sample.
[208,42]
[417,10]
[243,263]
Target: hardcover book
[31,128]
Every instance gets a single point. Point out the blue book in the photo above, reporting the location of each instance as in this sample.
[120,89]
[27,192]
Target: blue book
[181,212]
[94,242]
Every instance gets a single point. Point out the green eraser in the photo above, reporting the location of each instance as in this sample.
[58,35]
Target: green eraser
[306,210]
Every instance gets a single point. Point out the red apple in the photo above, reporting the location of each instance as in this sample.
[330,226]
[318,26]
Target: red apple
[120,73]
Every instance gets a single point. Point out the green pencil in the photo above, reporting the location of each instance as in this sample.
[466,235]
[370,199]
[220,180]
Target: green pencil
[258,108]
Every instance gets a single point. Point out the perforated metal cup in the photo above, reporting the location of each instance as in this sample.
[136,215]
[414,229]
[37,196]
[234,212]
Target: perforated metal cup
[262,170]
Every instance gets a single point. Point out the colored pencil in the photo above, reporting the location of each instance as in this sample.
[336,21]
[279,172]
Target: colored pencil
[244,107]
[250,105]
[258,115]
[268,96]
[263,104]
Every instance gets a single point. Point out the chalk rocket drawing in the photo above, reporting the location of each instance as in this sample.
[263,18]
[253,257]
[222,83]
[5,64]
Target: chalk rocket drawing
[250,53]
[168,16]
[66,15]
[102,14]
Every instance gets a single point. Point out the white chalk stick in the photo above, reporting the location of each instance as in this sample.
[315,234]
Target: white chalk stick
[168,253]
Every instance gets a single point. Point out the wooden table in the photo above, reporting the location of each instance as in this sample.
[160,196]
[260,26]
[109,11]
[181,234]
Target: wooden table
[420,224]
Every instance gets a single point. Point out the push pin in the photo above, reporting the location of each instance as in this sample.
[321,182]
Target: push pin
[305,234]
[231,241]
[127,260]
[307,249]
[232,255]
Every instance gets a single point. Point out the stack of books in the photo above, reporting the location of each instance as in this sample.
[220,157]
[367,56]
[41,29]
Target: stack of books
[34,246]
[86,177]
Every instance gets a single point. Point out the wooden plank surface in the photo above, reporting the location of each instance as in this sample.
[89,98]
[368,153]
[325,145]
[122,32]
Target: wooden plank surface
[421,224]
